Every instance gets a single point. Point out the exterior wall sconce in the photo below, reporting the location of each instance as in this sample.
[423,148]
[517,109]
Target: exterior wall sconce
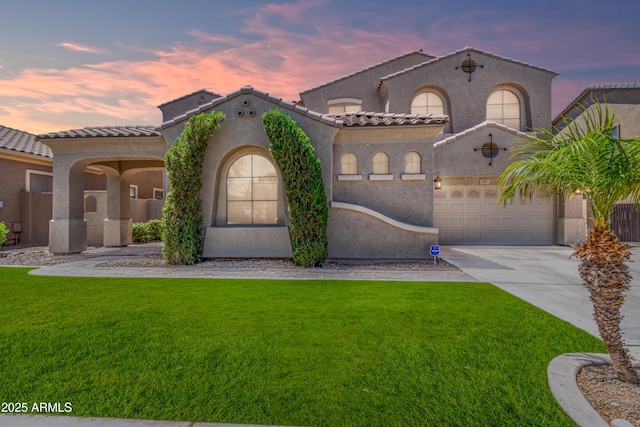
[437,182]
[577,191]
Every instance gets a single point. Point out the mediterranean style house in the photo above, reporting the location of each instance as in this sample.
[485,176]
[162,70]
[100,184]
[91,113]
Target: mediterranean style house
[410,150]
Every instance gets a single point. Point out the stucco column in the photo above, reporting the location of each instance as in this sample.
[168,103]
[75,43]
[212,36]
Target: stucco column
[572,221]
[67,229]
[117,225]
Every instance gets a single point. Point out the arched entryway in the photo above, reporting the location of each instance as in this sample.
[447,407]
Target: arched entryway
[119,153]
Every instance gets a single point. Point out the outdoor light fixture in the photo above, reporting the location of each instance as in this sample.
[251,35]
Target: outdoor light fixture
[437,182]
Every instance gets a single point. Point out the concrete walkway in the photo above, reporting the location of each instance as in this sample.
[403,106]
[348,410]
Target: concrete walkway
[544,276]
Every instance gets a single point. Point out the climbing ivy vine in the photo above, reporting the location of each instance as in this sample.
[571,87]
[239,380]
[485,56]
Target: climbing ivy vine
[302,179]
[183,235]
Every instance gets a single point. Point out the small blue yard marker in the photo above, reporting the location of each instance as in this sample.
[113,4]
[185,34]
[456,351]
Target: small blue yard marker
[435,251]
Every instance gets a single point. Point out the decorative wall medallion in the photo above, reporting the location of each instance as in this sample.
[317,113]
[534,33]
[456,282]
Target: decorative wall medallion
[469,66]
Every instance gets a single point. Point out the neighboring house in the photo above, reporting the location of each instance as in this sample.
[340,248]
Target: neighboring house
[26,186]
[384,136]
[624,101]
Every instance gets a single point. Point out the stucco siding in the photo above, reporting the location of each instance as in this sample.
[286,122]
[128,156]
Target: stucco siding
[468,98]
[356,235]
[363,85]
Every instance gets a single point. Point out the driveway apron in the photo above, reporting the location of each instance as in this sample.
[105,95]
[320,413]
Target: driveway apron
[547,277]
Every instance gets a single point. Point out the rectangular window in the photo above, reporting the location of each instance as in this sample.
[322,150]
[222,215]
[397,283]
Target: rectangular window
[158,193]
[38,181]
[133,191]
[615,132]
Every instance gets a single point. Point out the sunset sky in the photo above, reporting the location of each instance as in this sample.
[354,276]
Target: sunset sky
[72,63]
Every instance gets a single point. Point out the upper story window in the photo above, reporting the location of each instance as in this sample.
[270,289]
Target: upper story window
[252,191]
[349,164]
[344,105]
[427,102]
[412,162]
[503,106]
[380,163]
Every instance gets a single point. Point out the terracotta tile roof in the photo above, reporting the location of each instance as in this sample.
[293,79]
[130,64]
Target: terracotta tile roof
[22,142]
[203,91]
[466,50]
[413,52]
[103,132]
[364,118]
[486,124]
[344,120]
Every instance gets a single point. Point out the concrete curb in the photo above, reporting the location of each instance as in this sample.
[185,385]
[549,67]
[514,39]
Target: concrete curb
[562,374]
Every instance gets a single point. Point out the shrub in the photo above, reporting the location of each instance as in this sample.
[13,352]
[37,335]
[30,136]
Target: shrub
[150,231]
[183,235]
[4,231]
[302,179]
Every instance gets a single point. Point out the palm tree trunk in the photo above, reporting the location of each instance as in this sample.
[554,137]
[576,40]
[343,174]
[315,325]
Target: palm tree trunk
[606,275]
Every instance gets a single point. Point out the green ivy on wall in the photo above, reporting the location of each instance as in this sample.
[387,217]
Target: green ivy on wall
[183,235]
[302,179]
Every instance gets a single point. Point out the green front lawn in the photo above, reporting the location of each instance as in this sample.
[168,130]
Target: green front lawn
[306,353]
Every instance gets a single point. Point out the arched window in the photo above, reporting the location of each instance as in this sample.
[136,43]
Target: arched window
[344,105]
[412,162]
[427,102]
[503,106]
[252,191]
[380,163]
[349,164]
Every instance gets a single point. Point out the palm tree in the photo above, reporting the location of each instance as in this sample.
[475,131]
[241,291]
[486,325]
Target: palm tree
[585,155]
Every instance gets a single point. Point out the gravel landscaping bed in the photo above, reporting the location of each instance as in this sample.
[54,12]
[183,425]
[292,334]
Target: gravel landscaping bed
[36,256]
[40,256]
[279,264]
[609,396]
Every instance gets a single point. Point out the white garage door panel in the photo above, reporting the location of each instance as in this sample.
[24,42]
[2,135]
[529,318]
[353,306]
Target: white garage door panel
[471,215]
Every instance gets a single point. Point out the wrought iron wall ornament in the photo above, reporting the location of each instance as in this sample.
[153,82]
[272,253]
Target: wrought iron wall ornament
[469,66]
[490,149]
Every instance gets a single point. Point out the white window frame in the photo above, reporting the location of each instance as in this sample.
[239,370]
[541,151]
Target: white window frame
[379,175]
[413,176]
[135,190]
[251,176]
[27,177]
[154,193]
[349,176]
[520,98]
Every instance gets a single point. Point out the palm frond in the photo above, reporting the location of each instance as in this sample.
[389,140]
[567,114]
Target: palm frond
[583,155]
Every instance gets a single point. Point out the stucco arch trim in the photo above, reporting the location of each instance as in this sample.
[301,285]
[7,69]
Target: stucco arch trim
[390,221]
[219,219]
[523,96]
[444,96]
[224,240]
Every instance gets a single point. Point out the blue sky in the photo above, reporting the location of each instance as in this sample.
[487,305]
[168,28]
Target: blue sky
[67,64]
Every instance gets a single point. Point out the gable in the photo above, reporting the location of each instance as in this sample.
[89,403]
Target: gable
[361,85]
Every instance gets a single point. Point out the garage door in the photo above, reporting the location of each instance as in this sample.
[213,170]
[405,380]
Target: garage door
[471,216]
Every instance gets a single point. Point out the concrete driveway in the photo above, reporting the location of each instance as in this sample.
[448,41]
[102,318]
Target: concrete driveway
[548,278]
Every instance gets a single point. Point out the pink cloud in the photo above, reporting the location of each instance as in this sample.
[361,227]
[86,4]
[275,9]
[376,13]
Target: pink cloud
[76,47]
[118,92]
